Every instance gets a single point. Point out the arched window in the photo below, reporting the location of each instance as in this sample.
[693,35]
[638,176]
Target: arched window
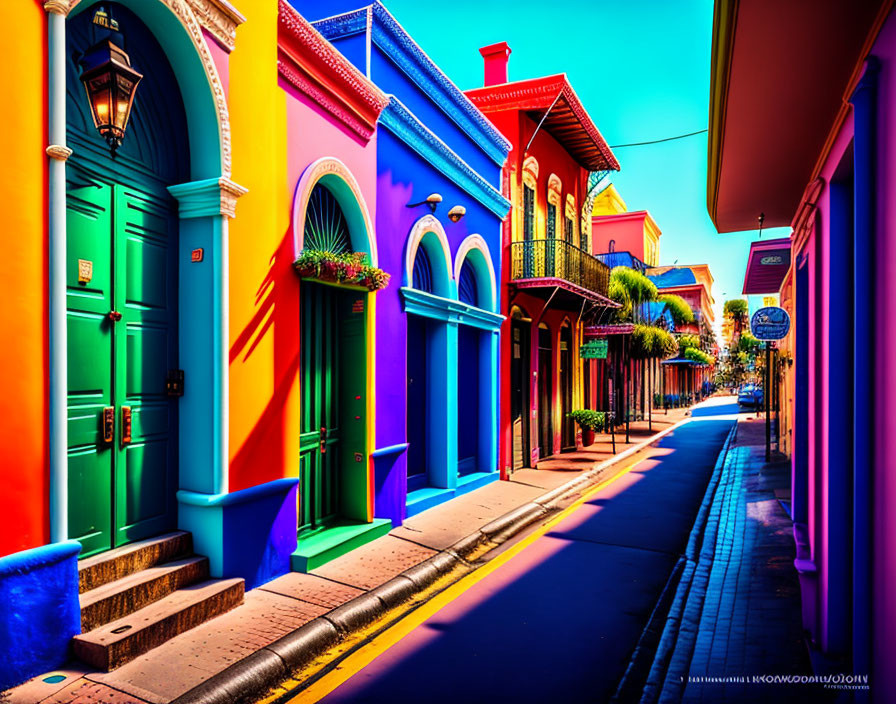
[466,285]
[422,275]
[611,247]
[530,183]
[554,188]
[569,228]
[326,229]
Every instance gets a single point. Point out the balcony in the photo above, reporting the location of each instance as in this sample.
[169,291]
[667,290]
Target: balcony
[559,266]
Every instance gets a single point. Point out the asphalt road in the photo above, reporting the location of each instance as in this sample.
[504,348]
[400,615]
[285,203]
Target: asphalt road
[557,622]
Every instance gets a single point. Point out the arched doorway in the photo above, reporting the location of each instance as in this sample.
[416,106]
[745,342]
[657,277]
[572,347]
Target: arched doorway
[545,391]
[567,426]
[122,300]
[520,354]
[333,449]
[418,387]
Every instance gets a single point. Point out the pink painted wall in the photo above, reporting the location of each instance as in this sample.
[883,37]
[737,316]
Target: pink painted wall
[627,229]
[220,56]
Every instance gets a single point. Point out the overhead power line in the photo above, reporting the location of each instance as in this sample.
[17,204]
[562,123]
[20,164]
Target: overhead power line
[657,141]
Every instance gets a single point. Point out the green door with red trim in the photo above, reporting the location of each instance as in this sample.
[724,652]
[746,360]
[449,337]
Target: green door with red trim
[121,272]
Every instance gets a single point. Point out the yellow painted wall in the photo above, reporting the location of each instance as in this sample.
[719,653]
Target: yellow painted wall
[23,284]
[609,202]
[264,374]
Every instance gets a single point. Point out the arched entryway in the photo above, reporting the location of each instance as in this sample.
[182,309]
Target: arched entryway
[545,391]
[476,367]
[565,381]
[427,350]
[122,294]
[520,355]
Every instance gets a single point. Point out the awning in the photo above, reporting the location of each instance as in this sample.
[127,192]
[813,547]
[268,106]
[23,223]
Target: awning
[767,265]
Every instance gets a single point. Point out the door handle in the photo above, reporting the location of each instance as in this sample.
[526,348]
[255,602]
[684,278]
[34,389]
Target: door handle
[323,441]
[114,316]
[109,425]
[125,425]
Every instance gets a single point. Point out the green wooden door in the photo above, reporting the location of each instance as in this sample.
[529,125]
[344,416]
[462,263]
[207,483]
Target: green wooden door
[120,488]
[320,432]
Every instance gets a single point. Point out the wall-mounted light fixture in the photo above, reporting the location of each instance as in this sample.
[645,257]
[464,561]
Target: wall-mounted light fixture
[111,84]
[432,200]
[456,213]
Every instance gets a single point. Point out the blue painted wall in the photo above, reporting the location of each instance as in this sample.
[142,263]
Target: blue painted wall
[42,585]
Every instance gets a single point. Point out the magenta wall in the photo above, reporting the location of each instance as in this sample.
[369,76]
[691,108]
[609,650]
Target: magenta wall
[626,229]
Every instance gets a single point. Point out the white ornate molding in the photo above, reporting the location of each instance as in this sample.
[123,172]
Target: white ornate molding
[220,18]
[189,12]
[58,7]
[58,152]
[477,242]
[314,172]
[443,277]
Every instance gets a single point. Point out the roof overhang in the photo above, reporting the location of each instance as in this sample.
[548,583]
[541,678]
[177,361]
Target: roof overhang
[553,100]
[782,73]
[767,266]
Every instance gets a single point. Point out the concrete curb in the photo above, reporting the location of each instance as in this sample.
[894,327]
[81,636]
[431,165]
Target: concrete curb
[246,680]
[670,661]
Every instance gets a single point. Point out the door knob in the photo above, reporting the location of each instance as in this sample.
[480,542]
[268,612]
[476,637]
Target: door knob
[114,316]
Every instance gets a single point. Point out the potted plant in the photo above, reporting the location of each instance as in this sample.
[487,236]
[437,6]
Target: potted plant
[345,268]
[590,422]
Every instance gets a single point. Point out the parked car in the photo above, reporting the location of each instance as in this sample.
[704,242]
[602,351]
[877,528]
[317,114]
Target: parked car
[750,395]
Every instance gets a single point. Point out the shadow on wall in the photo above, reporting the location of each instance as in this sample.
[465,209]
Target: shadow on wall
[262,456]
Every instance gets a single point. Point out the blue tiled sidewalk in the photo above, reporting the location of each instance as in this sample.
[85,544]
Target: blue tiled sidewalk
[750,621]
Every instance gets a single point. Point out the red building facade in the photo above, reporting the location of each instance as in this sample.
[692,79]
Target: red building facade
[549,280]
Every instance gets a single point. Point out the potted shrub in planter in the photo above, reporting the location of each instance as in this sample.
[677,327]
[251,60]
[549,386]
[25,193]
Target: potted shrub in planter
[345,268]
[590,422]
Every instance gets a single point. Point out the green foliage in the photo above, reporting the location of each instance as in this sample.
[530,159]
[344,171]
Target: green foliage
[737,308]
[697,355]
[749,344]
[649,342]
[341,267]
[637,286]
[678,307]
[687,342]
[589,420]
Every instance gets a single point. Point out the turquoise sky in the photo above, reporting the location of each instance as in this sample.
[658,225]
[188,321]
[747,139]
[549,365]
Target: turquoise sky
[642,70]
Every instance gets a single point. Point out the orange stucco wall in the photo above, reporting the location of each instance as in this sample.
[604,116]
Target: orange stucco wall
[23,251]
[264,314]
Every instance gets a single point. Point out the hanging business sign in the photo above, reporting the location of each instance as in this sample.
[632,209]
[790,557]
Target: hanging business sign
[594,349]
[770,323]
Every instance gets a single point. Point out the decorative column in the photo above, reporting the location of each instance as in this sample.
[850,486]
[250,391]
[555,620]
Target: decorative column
[57,10]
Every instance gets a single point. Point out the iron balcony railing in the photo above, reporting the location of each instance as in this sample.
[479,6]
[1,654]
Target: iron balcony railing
[559,259]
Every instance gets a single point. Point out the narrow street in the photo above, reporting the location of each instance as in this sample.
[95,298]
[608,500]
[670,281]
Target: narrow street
[558,620]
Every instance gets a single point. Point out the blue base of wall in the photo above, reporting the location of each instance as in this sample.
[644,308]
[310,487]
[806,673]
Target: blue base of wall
[428,497]
[249,533]
[40,613]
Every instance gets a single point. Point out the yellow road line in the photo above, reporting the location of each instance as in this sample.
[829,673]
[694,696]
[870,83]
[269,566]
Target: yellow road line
[362,657]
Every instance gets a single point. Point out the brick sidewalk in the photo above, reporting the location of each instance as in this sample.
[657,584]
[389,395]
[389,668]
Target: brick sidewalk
[276,610]
[750,622]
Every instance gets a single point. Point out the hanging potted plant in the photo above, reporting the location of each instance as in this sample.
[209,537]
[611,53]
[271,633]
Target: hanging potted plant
[590,422]
[351,268]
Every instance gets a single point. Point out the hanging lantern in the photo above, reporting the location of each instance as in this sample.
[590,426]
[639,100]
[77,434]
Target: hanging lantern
[111,84]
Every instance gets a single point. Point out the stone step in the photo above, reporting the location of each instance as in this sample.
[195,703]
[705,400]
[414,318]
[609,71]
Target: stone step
[126,595]
[114,564]
[122,640]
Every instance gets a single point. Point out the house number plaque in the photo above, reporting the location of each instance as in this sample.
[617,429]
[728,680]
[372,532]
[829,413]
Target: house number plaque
[85,271]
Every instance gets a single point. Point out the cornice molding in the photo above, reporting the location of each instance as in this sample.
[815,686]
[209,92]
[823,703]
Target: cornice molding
[311,65]
[399,120]
[391,38]
[207,198]
[57,7]
[449,310]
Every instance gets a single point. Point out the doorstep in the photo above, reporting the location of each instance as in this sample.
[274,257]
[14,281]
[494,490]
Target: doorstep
[429,496]
[340,538]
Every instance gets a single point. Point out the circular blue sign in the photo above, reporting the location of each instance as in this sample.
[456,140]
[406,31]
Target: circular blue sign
[770,323]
